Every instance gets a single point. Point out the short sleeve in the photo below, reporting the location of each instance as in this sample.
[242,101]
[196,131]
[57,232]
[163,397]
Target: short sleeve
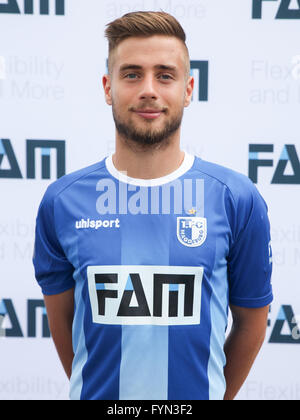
[250,259]
[54,273]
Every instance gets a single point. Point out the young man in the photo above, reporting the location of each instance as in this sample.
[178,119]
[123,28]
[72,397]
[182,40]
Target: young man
[144,252]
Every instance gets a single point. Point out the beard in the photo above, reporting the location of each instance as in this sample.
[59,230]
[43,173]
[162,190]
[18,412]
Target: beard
[147,137]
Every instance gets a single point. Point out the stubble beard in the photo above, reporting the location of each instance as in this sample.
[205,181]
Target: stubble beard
[147,138]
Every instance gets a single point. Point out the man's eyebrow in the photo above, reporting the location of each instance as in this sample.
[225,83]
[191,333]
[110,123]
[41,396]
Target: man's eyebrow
[165,67]
[130,67]
[126,67]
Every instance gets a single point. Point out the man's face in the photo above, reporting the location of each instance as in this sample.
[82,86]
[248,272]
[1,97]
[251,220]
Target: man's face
[148,88]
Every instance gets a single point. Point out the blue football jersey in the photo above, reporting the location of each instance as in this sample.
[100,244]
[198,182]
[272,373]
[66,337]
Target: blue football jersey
[155,265]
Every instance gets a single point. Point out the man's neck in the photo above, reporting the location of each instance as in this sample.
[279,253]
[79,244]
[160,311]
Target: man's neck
[144,163]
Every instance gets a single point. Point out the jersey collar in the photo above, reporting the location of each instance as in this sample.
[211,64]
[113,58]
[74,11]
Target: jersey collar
[186,165]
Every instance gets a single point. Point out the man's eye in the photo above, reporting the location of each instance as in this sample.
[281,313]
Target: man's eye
[165,76]
[131,76]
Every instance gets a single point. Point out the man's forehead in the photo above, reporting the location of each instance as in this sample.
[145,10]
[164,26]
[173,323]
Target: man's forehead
[157,50]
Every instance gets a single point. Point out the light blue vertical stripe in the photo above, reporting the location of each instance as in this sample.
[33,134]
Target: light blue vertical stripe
[78,333]
[81,354]
[200,197]
[218,313]
[144,363]
[144,360]
[78,336]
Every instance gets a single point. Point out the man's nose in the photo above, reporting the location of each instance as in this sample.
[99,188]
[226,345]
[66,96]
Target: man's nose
[148,90]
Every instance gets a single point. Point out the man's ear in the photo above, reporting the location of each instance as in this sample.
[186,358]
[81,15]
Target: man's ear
[189,91]
[106,82]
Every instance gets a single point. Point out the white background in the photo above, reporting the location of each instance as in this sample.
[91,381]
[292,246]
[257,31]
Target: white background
[51,69]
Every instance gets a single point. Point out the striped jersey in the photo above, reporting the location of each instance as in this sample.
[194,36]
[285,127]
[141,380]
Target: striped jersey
[154,265]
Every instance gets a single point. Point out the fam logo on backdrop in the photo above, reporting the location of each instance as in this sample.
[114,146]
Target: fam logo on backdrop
[10,168]
[202,68]
[287,9]
[287,169]
[10,325]
[286,329]
[26,7]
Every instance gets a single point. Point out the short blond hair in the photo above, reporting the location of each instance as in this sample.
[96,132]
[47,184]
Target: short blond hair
[143,24]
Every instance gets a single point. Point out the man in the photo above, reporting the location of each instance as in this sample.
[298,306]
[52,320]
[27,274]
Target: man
[144,252]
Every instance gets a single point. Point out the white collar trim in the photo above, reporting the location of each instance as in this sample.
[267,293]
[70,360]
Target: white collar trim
[186,165]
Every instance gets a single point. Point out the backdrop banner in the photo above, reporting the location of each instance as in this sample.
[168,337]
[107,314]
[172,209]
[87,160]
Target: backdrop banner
[245,58]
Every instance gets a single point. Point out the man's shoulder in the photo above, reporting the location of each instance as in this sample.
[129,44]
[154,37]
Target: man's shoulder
[62,184]
[239,185]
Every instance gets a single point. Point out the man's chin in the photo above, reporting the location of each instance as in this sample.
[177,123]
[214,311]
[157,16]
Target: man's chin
[148,133]
[147,139]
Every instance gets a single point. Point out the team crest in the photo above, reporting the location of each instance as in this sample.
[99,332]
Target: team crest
[191,231]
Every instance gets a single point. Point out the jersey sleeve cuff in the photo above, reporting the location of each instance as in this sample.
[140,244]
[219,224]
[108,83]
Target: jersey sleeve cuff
[54,290]
[252,302]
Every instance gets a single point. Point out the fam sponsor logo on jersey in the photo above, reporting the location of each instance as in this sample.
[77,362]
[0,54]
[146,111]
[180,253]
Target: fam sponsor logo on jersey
[10,168]
[11,322]
[287,169]
[27,7]
[286,9]
[145,295]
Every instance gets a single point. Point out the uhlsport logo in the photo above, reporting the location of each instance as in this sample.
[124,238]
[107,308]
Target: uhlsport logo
[288,160]
[191,231]
[97,224]
[145,295]
[10,168]
[287,9]
[26,7]
[11,326]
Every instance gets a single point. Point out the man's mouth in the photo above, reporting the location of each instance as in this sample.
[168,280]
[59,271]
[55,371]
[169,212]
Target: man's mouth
[148,113]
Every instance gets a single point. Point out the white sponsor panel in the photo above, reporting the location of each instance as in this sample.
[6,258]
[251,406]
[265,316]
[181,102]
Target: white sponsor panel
[148,290]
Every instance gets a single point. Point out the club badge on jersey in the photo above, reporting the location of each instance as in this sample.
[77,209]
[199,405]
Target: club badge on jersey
[191,231]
